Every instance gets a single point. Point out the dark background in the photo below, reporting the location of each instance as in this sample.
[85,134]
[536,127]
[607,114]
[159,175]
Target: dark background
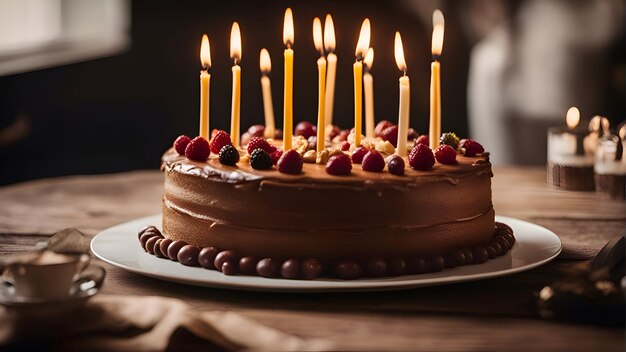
[120,113]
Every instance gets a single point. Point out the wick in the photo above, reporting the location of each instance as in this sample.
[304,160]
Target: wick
[236,60]
[404,73]
[436,57]
[205,68]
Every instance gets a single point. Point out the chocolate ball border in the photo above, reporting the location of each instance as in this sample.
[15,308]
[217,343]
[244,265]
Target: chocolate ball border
[231,263]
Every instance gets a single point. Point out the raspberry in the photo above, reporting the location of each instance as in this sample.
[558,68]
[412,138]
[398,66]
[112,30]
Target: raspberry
[260,160]
[423,139]
[358,154]
[275,155]
[259,143]
[471,147]
[220,139]
[181,143]
[445,154]
[198,149]
[421,157]
[391,134]
[450,139]
[381,126]
[214,132]
[345,146]
[256,130]
[305,129]
[373,161]
[395,164]
[290,162]
[229,155]
[339,165]
[411,135]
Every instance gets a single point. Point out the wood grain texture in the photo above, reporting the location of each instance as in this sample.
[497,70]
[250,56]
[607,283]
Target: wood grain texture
[496,314]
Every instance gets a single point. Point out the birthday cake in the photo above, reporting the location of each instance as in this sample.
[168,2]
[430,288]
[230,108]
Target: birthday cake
[342,213]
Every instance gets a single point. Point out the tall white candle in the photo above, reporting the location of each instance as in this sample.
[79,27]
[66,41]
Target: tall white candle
[321,98]
[361,49]
[331,71]
[368,89]
[268,108]
[405,97]
[235,54]
[288,38]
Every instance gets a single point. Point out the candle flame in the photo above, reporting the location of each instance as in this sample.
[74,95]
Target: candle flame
[317,35]
[364,40]
[329,34]
[398,51]
[622,132]
[438,31]
[235,43]
[605,126]
[573,117]
[594,123]
[205,52]
[369,58]
[288,35]
[265,62]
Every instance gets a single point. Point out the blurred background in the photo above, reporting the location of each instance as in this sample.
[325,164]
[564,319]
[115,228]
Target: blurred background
[98,86]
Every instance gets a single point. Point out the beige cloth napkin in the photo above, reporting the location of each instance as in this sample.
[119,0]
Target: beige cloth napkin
[135,323]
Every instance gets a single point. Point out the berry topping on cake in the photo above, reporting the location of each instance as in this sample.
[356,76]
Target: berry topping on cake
[220,139]
[181,143]
[395,165]
[381,126]
[256,130]
[358,154]
[445,154]
[373,162]
[471,147]
[421,157]
[390,134]
[332,131]
[260,160]
[423,139]
[450,139]
[411,135]
[339,165]
[275,155]
[305,129]
[214,132]
[345,146]
[198,149]
[259,143]
[290,162]
[229,155]
[343,135]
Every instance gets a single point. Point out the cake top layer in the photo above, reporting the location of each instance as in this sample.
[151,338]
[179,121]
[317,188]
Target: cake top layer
[315,173]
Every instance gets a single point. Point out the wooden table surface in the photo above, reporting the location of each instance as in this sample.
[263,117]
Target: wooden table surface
[495,314]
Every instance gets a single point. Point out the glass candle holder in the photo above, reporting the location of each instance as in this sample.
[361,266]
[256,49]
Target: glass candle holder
[610,168]
[571,158]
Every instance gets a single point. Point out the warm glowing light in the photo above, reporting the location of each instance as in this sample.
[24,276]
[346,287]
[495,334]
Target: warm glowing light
[438,30]
[369,58]
[398,52]
[205,52]
[329,34]
[288,28]
[364,40]
[265,62]
[594,124]
[622,132]
[317,36]
[573,117]
[235,43]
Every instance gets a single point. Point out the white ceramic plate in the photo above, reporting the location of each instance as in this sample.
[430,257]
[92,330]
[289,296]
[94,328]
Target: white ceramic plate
[118,245]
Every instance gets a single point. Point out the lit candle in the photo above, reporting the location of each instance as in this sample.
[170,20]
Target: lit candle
[329,45]
[205,80]
[435,79]
[368,89]
[321,97]
[266,66]
[405,97]
[361,49]
[235,54]
[288,38]
[598,126]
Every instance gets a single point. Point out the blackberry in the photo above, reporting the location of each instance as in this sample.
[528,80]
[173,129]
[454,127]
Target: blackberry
[229,155]
[260,160]
[450,139]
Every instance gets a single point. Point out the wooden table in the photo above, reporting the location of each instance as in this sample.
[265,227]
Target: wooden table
[494,314]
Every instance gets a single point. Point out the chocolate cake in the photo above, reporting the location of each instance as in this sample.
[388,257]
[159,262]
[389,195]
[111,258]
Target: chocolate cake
[243,220]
